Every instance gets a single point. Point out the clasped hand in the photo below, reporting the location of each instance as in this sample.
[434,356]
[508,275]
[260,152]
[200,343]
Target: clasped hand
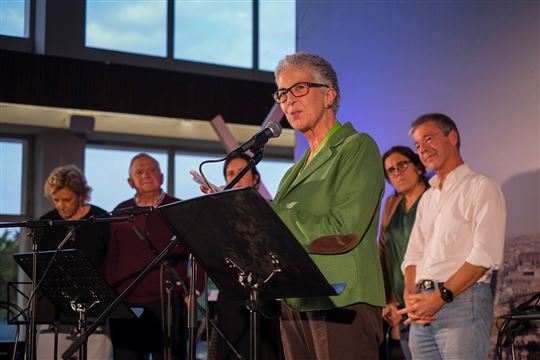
[421,308]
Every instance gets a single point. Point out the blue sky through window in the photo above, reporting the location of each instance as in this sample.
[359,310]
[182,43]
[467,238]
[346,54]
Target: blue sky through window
[277,32]
[217,32]
[12,18]
[11,173]
[212,31]
[136,26]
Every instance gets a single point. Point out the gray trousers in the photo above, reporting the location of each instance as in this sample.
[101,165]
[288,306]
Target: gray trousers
[351,332]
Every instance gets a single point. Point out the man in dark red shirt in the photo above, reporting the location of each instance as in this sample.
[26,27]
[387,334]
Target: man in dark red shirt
[132,247]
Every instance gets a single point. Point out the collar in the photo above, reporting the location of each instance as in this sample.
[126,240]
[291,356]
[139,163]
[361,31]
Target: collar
[453,177]
[156,202]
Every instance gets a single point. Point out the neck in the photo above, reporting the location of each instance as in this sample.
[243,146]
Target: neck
[149,199]
[80,213]
[315,135]
[450,166]
[412,195]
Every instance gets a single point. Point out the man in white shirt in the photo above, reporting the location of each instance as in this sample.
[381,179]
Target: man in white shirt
[456,243]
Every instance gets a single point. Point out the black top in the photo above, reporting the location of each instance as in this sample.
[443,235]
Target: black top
[91,238]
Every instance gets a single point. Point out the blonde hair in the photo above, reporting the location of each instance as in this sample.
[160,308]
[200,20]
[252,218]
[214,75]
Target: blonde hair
[69,176]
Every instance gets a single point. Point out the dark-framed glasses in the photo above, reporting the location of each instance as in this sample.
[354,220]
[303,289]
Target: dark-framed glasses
[298,90]
[400,167]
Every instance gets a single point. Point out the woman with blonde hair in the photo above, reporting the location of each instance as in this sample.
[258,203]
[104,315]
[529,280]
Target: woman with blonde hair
[69,191]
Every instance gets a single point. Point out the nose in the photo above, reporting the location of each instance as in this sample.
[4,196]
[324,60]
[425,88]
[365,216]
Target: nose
[421,147]
[290,98]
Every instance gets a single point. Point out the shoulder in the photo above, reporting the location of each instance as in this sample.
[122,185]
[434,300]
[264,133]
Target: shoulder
[352,141]
[127,203]
[477,182]
[51,215]
[169,199]
[390,206]
[96,210]
[392,200]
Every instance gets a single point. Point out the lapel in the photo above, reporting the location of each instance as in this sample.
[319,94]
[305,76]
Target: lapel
[296,176]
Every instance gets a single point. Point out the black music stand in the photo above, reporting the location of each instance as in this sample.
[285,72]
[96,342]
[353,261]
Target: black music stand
[246,249]
[73,289]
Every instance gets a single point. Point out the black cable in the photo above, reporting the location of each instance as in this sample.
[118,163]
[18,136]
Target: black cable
[202,173]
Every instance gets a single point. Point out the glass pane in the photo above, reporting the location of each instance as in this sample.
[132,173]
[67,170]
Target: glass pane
[107,171]
[136,26]
[13,18]
[11,172]
[9,245]
[277,32]
[216,32]
[271,173]
[184,187]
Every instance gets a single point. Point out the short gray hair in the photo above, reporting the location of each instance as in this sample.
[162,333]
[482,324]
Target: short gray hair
[142,155]
[322,69]
[444,122]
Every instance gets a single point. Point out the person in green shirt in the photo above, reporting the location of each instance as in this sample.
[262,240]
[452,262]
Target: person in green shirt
[330,200]
[404,170]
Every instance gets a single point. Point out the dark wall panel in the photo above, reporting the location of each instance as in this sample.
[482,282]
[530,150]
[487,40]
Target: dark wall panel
[62,82]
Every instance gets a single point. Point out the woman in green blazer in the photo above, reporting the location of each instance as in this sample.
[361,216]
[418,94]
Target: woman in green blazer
[330,200]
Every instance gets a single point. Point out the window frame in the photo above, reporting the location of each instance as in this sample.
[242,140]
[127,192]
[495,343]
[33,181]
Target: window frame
[26,186]
[173,147]
[49,35]
[23,44]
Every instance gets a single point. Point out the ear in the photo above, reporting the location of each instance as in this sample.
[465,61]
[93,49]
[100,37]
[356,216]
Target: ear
[453,136]
[131,183]
[330,97]
[161,178]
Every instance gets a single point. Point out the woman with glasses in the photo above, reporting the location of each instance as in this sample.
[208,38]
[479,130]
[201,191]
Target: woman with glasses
[330,201]
[404,170]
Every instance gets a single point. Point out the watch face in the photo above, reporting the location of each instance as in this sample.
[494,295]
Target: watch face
[446,295]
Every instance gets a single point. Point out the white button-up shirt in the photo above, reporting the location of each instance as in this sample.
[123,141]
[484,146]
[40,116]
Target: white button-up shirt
[463,222]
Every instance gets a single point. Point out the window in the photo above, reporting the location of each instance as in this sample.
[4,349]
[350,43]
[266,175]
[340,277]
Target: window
[277,32]
[185,187]
[11,176]
[218,32]
[9,245]
[106,170]
[271,171]
[136,26]
[12,170]
[14,18]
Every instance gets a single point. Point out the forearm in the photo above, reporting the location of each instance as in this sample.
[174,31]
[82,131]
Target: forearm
[464,277]
[410,280]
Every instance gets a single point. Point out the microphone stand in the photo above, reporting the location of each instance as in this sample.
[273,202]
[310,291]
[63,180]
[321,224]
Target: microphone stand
[252,303]
[32,226]
[159,259]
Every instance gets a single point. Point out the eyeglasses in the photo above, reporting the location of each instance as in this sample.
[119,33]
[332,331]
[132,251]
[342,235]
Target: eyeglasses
[426,140]
[298,90]
[400,167]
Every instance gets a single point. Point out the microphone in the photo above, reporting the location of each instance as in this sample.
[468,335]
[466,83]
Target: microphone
[272,130]
[133,210]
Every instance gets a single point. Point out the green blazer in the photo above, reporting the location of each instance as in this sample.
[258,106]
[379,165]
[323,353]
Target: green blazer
[338,193]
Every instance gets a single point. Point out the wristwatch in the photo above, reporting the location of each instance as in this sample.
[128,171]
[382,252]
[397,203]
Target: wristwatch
[446,294]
